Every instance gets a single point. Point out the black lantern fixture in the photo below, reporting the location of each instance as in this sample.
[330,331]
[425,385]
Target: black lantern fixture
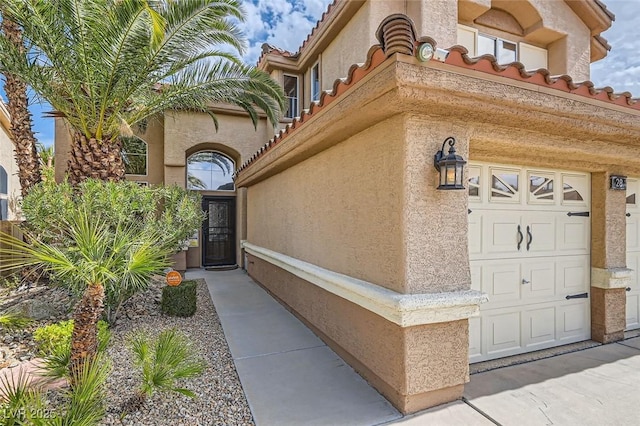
[450,166]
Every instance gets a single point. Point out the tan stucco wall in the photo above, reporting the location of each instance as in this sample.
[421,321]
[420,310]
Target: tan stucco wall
[435,221]
[404,364]
[184,130]
[348,47]
[340,209]
[8,161]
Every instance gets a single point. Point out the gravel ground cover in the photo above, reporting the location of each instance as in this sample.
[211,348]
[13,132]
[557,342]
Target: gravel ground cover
[220,401]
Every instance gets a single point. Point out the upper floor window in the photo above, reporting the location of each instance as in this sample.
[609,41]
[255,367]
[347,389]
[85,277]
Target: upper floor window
[4,194]
[210,171]
[291,92]
[315,82]
[134,155]
[505,51]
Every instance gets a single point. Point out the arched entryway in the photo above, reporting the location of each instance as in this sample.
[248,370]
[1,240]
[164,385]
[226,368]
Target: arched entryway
[211,172]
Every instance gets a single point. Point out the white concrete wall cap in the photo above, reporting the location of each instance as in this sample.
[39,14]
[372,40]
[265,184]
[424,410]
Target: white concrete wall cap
[611,277]
[406,310]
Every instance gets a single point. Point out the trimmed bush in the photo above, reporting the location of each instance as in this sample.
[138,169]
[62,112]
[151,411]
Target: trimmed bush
[179,301]
[53,336]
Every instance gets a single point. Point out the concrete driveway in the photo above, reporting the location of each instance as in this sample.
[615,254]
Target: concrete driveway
[597,386]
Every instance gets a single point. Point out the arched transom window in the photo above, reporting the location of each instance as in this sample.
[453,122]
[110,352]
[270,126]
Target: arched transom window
[210,171]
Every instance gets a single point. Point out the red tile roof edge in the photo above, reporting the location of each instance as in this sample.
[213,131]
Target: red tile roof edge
[458,56]
[375,57]
[293,55]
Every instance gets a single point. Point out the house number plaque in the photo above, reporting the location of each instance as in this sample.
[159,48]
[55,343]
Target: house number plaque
[619,183]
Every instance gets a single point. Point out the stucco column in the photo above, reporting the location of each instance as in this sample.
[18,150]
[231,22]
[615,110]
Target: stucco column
[436,261]
[609,274]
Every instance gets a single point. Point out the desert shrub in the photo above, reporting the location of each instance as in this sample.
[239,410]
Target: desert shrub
[180,301]
[54,336]
[168,214]
[162,362]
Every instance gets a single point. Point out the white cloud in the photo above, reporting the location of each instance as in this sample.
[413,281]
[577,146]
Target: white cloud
[283,23]
[621,68]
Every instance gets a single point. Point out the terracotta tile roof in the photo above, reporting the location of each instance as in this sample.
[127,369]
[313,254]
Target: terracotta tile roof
[375,57]
[287,54]
[542,77]
[604,8]
[396,34]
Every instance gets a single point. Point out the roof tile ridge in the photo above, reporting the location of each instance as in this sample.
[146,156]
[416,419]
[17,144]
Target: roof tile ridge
[541,76]
[375,56]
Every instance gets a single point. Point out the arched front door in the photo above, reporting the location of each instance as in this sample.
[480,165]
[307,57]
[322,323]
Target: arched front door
[211,173]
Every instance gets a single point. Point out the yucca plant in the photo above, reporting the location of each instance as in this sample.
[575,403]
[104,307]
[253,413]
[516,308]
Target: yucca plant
[93,257]
[162,362]
[107,65]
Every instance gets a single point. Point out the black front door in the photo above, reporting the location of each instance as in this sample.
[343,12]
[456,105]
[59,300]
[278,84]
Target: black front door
[219,231]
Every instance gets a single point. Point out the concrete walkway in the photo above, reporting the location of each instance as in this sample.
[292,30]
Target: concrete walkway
[290,377]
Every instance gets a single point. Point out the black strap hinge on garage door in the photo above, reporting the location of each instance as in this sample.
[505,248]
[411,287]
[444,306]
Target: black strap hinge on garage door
[578,296]
[584,214]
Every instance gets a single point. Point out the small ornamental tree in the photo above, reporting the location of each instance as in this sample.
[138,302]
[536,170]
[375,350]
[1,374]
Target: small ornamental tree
[169,213]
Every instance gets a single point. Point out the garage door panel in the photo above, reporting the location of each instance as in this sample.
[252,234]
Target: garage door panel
[475,234]
[573,275]
[500,233]
[633,311]
[573,321]
[502,332]
[502,282]
[540,232]
[539,279]
[633,240]
[539,326]
[574,234]
[633,252]
[528,253]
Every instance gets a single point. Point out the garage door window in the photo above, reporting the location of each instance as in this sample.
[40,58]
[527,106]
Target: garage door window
[504,185]
[474,182]
[540,188]
[573,188]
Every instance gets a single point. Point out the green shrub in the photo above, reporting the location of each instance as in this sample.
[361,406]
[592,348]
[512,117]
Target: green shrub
[167,214]
[179,301]
[162,362]
[52,337]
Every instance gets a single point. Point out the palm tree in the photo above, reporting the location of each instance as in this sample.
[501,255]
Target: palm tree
[95,256]
[22,135]
[107,65]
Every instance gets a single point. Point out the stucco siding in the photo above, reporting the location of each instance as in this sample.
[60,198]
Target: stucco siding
[348,47]
[340,209]
[8,161]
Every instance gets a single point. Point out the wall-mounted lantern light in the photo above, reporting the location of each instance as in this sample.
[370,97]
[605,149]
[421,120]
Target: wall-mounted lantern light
[450,166]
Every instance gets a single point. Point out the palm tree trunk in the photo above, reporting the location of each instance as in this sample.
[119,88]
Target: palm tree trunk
[84,338]
[24,141]
[94,158]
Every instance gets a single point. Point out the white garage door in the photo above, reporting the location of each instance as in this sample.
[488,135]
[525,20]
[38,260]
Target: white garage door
[529,235]
[633,252]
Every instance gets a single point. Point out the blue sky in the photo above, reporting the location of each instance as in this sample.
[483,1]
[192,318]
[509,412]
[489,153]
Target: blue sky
[286,23]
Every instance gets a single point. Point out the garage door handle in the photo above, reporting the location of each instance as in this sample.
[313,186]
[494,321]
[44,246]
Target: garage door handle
[583,214]
[520,237]
[578,296]
[530,238]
